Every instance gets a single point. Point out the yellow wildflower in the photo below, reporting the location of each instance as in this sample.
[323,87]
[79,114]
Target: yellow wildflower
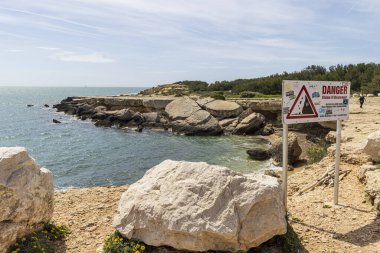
[142,247]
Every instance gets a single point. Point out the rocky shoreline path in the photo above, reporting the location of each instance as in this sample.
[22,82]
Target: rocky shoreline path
[322,228]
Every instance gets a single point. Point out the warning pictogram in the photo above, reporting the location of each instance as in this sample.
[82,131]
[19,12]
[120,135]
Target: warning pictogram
[303,107]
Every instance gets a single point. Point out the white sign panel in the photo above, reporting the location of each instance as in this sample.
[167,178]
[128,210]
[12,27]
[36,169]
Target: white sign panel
[314,101]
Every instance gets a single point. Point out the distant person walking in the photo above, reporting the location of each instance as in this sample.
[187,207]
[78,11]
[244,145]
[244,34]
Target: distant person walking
[361,100]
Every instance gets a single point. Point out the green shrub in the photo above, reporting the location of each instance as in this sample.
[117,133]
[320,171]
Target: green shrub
[39,242]
[316,152]
[118,244]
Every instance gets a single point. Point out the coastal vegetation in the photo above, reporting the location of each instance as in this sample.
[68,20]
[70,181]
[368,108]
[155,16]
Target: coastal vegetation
[115,243]
[364,77]
[40,241]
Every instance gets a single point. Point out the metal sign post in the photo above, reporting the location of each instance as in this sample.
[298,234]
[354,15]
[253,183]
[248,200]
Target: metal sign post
[337,160]
[285,163]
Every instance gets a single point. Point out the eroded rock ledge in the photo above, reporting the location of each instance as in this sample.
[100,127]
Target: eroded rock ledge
[184,115]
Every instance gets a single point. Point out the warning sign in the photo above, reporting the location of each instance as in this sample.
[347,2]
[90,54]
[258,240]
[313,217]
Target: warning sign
[314,101]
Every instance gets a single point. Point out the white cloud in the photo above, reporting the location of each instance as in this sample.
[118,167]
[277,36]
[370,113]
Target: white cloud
[70,56]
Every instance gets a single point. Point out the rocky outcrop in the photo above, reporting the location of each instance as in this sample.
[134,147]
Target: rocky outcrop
[26,195]
[223,109]
[372,147]
[200,207]
[183,115]
[250,124]
[370,176]
[294,149]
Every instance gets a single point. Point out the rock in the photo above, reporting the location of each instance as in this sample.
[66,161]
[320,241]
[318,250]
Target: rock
[100,108]
[370,95]
[124,115]
[372,147]
[181,108]
[250,124]
[138,118]
[56,121]
[331,137]
[328,124]
[103,123]
[200,207]
[227,122]
[29,105]
[46,105]
[372,186]
[355,95]
[84,109]
[223,109]
[199,123]
[151,117]
[363,170]
[100,115]
[203,101]
[245,114]
[26,195]
[259,154]
[378,94]
[294,149]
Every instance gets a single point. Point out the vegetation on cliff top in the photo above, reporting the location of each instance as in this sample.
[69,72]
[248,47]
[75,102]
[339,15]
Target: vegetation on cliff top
[364,77]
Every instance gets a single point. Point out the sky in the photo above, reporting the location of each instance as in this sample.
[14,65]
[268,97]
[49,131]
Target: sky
[150,42]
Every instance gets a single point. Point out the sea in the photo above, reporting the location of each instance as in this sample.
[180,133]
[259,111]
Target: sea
[82,155]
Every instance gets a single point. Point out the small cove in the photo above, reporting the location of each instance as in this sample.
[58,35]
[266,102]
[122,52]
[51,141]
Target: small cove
[82,155]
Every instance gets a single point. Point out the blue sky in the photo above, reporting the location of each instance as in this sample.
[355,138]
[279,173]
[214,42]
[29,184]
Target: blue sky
[150,42]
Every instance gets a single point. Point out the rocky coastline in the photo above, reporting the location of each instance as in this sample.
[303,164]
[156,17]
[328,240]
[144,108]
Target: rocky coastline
[183,115]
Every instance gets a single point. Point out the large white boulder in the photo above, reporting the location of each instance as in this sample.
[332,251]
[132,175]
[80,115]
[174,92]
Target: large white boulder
[26,195]
[372,148]
[199,207]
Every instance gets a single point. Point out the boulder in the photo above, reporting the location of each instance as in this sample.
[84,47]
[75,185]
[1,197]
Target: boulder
[370,176]
[355,95]
[250,124]
[259,154]
[46,105]
[84,109]
[370,95]
[223,109]
[181,108]
[200,207]
[151,117]
[372,187]
[294,149]
[124,115]
[372,147]
[26,195]
[199,123]
[56,121]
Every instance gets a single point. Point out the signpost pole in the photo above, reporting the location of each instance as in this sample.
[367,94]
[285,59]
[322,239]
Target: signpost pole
[285,163]
[337,160]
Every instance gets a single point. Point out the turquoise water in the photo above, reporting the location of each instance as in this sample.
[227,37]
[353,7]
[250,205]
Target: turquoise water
[82,155]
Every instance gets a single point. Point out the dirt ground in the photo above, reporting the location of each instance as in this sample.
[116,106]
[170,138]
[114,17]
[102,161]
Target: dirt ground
[353,227]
